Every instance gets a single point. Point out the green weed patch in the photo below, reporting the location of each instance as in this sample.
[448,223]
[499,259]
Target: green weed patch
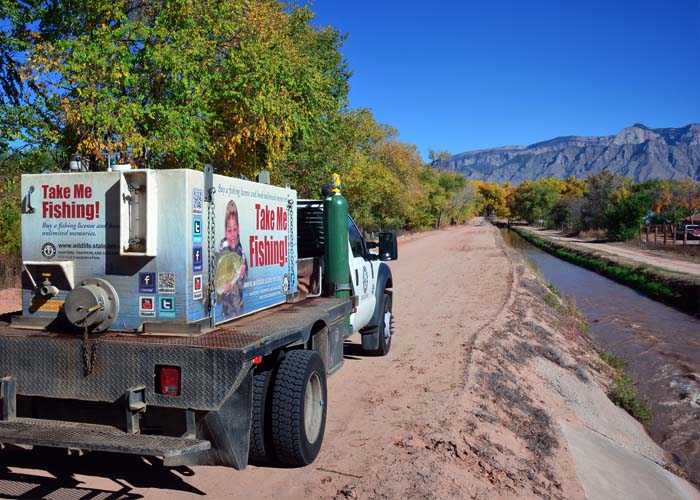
[628,276]
[624,393]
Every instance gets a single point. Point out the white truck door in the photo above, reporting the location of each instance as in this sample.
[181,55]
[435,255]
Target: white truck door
[363,278]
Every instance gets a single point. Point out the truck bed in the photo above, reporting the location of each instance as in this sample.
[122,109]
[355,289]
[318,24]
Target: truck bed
[50,364]
[46,399]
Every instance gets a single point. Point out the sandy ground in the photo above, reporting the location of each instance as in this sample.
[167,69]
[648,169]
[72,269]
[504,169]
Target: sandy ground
[479,397]
[10,300]
[646,257]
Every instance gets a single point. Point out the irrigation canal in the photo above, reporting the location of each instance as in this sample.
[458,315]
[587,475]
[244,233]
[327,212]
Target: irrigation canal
[660,345]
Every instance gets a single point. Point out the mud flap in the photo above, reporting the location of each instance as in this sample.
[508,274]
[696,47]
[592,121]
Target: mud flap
[370,339]
[228,430]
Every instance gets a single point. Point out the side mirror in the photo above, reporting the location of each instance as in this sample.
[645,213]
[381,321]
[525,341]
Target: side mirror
[388,246]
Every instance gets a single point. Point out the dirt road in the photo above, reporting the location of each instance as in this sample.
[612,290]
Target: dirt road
[645,257]
[375,403]
[472,402]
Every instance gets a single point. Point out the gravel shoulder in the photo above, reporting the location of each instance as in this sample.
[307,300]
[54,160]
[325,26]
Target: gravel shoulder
[477,399]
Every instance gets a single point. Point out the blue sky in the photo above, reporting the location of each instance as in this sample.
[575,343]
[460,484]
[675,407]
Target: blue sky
[464,75]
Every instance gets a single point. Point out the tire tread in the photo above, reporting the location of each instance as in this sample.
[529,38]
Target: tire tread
[287,407]
[259,450]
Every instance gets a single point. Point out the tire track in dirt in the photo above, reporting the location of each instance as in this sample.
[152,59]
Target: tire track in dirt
[468,282]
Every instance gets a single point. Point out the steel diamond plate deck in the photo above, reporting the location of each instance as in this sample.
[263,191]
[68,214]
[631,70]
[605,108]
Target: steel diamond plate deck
[94,437]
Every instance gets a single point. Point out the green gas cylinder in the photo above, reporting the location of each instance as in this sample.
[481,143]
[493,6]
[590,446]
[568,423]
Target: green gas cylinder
[335,221]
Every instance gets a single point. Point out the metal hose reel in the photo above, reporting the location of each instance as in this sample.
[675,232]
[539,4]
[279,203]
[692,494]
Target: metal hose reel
[93,305]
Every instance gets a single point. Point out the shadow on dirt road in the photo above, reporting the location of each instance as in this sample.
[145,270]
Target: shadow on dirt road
[120,475]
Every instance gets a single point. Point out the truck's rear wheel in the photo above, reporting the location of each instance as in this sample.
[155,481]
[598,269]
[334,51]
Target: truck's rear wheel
[299,408]
[386,322]
[260,449]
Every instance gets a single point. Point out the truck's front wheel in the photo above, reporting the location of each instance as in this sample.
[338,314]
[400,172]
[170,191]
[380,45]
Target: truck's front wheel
[385,326]
[299,408]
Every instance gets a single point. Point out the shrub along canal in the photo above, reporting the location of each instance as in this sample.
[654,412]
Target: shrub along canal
[660,345]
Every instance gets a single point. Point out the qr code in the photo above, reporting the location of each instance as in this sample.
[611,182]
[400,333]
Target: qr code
[166,282]
[197,201]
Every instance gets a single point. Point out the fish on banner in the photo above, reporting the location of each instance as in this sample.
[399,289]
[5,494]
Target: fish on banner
[255,249]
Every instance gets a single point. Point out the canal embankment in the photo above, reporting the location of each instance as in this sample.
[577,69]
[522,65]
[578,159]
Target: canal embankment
[657,345]
[538,390]
[677,289]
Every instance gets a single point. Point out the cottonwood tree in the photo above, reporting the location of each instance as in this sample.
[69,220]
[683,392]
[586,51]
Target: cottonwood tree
[493,198]
[438,158]
[599,198]
[535,200]
[176,83]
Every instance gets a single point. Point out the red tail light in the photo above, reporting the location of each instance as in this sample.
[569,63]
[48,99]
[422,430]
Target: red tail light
[169,380]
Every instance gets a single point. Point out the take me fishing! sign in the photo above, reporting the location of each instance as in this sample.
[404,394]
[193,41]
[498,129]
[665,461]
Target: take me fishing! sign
[158,242]
[256,246]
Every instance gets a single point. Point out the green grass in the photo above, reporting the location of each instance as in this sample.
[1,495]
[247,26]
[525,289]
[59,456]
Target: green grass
[583,325]
[614,362]
[632,277]
[624,393]
[553,301]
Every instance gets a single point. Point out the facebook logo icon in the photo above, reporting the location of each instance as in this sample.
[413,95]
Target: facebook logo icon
[147,282]
[197,258]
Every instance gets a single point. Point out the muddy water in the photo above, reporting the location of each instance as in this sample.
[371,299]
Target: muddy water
[661,347]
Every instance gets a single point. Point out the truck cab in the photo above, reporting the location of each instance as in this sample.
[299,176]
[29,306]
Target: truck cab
[370,279]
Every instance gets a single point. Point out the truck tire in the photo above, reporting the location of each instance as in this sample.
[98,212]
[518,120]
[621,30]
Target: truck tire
[260,449]
[298,408]
[385,327]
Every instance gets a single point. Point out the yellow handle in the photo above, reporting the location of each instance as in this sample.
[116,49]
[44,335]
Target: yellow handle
[335,182]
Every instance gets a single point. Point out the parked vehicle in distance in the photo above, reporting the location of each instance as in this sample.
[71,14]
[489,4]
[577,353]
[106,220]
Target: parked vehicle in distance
[692,230]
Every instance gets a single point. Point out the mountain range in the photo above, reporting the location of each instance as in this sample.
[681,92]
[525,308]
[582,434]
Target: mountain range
[638,152]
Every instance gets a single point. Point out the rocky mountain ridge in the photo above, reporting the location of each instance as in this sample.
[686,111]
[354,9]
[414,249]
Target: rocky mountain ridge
[638,152]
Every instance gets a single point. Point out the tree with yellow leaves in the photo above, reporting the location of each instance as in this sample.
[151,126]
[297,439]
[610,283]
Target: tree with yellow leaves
[492,198]
[179,83]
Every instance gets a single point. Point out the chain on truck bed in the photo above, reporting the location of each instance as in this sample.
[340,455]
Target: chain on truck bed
[89,353]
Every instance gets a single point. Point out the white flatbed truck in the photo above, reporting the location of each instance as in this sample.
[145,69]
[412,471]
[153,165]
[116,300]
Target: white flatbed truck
[135,338]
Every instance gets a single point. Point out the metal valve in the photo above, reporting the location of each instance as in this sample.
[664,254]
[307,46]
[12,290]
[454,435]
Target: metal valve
[47,289]
[93,305]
